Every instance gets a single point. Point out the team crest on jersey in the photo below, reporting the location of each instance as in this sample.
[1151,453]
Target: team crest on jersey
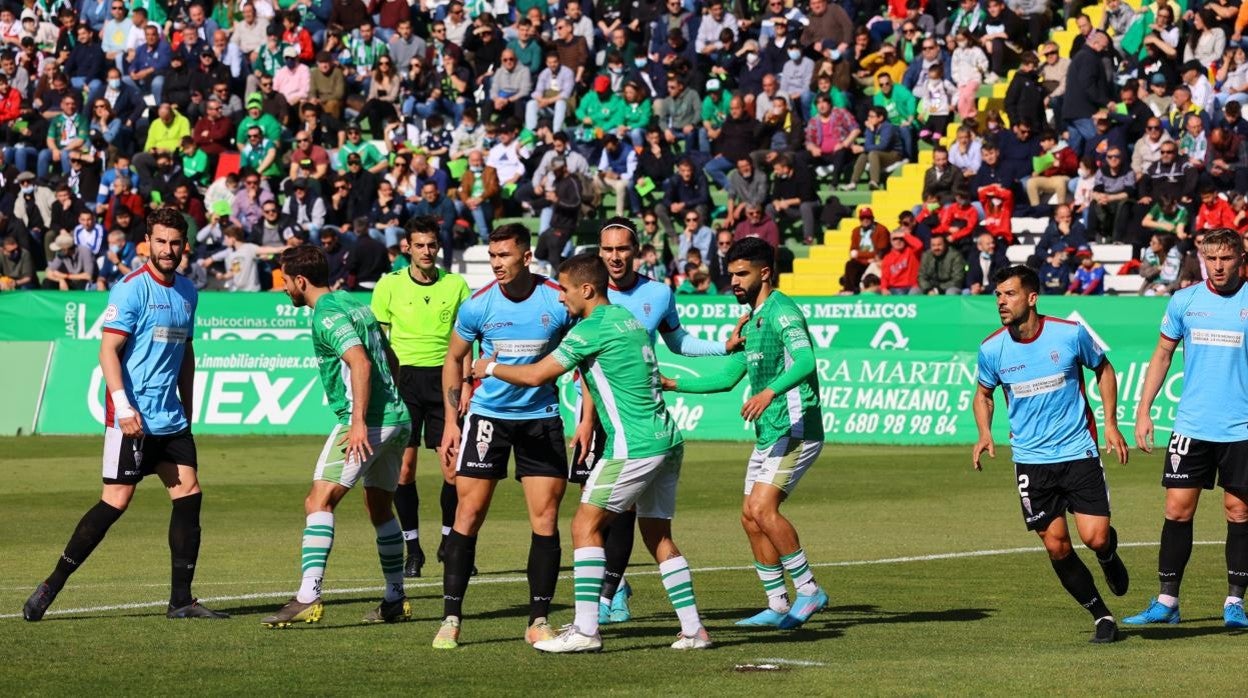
[1055,356]
[1243,314]
[1175,459]
[546,320]
[445,315]
[186,305]
[110,313]
[328,323]
[138,460]
[1027,505]
[646,308]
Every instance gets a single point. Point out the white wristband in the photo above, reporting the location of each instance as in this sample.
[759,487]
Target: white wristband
[121,405]
[489,368]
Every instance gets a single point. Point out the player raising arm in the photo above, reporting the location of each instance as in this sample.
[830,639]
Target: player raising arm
[1038,361]
[1208,443]
[788,422]
[642,451]
[149,368]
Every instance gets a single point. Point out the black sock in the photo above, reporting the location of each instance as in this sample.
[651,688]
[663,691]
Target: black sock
[407,506]
[90,531]
[450,500]
[544,554]
[1078,581]
[1236,559]
[1110,550]
[1176,549]
[184,547]
[618,547]
[461,553]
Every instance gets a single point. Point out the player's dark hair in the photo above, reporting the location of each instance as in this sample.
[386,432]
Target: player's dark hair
[623,223]
[754,251]
[586,268]
[307,261]
[169,217]
[1027,277]
[516,232]
[426,225]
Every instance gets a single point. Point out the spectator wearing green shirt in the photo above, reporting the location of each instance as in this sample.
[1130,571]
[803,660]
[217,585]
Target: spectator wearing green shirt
[600,110]
[67,133]
[901,106]
[259,154]
[636,113]
[256,116]
[370,157]
[194,162]
[714,112]
[527,48]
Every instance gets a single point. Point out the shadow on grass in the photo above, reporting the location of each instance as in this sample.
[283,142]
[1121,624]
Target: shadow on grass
[1188,628]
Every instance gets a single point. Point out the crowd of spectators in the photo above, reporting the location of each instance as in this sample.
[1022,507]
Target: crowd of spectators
[1136,138]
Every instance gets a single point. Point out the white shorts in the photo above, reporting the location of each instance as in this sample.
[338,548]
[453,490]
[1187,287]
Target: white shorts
[380,470]
[782,465]
[616,484]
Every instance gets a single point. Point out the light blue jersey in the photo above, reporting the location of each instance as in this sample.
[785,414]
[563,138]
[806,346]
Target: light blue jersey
[1214,403]
[522,331]
[157,320]
[654,306]
[1050,419]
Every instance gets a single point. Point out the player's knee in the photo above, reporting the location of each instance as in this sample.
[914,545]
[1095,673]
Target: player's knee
[1058,548]
[1236,511]
[1097,540]
[1180,512]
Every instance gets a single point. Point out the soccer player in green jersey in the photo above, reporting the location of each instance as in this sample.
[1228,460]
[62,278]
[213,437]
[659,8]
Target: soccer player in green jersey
[417,307]
[357,370]
[642,454]
[784,407]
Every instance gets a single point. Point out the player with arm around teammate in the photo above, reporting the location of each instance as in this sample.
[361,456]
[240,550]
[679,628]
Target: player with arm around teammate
[519,319]
[654,306]
[1038,361]
[780,361]
[366,445]
[416,307]
[642,451]
[148,364]
[1209,443]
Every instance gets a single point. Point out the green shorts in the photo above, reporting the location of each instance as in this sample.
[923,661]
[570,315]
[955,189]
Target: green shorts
[380,470]
[782,464]
[616,484]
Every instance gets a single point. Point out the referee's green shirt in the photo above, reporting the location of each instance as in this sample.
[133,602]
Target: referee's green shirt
[420,316]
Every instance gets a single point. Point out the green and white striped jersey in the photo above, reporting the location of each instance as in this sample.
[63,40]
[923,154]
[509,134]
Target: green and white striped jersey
[613,352]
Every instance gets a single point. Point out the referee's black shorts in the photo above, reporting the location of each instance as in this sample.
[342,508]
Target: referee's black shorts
[421,388]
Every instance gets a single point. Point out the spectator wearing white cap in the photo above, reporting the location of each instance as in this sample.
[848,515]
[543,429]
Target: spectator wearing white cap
[293,79]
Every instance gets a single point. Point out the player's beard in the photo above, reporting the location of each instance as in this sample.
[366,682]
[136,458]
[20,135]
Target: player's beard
[165,266]
[748,295]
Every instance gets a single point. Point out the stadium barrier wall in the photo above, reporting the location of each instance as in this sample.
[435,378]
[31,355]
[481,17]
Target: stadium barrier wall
[893,370]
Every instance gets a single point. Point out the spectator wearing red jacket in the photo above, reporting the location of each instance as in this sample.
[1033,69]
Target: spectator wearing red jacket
[960,209]
[10,103]
[998,204]
[1214,211]
[899,269]
[1053,178]
[867,243]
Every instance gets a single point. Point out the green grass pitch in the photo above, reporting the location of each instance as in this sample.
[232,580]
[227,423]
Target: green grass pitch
[936,589]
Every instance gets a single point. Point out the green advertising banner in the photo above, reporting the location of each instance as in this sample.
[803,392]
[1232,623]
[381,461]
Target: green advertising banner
[892,370]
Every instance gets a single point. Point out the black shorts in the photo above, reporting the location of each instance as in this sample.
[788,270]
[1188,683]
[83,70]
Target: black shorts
[1047,491]
[1192,463]
[421,388]
[581,471]
[127,461]
[487,443]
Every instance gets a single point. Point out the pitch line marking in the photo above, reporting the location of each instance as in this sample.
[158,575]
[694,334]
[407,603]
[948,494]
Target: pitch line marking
[790,662]
[517,579]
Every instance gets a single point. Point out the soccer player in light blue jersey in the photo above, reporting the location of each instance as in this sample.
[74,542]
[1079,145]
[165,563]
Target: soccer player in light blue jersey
[1209,443]
[1038,361]
[149,367]
[519,318]
[654,306]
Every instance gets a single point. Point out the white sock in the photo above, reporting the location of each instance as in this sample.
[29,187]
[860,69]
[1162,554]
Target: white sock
[799,572]
[318,539]
[772,577]
[446,530]
[679,585]
[1167,600]
[390,551]
[1230,600]
[588,567]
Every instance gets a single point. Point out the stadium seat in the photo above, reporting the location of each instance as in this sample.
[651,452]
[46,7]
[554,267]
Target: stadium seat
[227,164]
